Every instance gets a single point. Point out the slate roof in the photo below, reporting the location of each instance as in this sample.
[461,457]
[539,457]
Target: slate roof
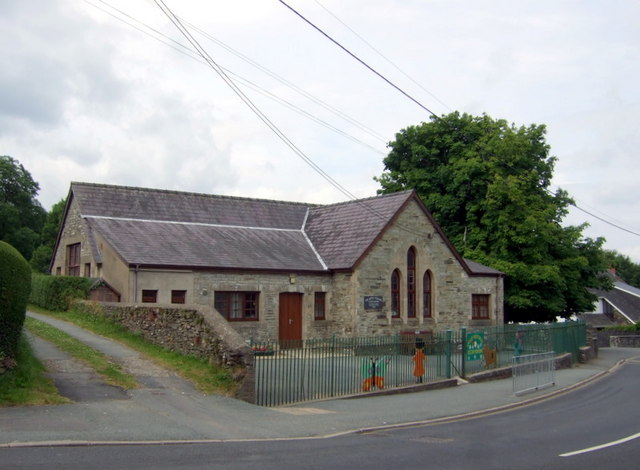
[478,268]
[177,229]
[342,232]
[624,297]
[597,320]
[202,246]
[173,206]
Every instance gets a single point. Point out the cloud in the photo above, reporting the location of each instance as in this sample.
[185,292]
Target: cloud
[86,97]
[50,63]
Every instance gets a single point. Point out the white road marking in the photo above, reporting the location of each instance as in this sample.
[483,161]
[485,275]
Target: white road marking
[601,446]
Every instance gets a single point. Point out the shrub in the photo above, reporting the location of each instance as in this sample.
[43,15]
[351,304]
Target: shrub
[15,285]
[634,327]
[57,292]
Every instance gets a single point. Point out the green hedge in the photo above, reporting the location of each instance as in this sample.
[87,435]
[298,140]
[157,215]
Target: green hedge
[56,292]
[15,285]
[634,327]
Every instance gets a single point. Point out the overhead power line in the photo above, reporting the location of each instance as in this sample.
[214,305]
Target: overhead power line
[216,67]
[601,219]
[606,221]
[181,48]
[389,82]
[289,84]
[225,77]
[373,48]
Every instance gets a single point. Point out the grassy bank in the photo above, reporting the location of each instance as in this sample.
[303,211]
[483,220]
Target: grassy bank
[27,383]
[207,378]
[110,372]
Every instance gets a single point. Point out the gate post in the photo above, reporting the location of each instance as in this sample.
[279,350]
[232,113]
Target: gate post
[448,352]
[463,360]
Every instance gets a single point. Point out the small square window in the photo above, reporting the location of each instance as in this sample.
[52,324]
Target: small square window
[480,306]
[319,306]
[87,269]
[149,296]
[178,296]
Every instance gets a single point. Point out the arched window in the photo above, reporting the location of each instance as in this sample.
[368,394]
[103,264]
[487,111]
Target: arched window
[426,295]
[411,282]
[395,294]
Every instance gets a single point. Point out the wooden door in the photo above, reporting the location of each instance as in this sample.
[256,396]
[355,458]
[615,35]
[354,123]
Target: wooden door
[290,310]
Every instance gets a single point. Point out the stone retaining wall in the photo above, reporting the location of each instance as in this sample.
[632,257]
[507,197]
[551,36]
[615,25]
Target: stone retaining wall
[604,336]
[625,341]
[195,330]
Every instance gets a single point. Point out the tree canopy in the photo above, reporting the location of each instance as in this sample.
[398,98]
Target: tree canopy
[486,183]
[21,215]
[625,268]
[42,255]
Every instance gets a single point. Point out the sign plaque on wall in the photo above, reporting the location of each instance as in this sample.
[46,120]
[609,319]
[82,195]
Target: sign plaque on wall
[373,302]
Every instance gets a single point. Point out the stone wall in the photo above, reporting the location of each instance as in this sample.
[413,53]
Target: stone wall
[193,330]
[625,341]
[603,336]
[452,286]
[269,286]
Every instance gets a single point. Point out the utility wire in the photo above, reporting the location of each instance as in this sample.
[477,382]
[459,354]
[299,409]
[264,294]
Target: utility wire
[601,219]
[605,221]
[289,84]
[214,65]
[281,79]
[389,82]
[250,84]
[602,214]
[181,48]
[382,55]
[202,56]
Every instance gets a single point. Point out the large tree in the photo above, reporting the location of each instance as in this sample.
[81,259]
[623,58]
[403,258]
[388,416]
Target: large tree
[486,183]
[42,255]
[21,215]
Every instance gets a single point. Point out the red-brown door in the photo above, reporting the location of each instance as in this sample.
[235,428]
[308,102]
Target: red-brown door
[290,319]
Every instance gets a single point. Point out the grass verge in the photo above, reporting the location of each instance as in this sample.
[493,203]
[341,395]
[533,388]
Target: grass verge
[110,372]
[27,383]
[207,378]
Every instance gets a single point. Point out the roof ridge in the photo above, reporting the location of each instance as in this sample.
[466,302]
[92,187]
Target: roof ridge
[370,198]
[190,193]
[198,224]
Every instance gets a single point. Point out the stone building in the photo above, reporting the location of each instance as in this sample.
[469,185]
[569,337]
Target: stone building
[278,270]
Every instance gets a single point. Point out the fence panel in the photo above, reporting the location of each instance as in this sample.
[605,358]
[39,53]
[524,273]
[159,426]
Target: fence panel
[324,368]
[503,342]
[318,369]
[533,372]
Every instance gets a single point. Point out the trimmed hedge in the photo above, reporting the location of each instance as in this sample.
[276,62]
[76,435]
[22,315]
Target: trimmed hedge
[56,292]
[634,327]
[15,285]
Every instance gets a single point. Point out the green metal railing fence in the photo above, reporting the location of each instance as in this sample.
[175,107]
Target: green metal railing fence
[313,369]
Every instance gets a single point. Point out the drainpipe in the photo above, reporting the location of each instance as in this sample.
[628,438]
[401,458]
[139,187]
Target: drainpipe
[135,283]
[499,280]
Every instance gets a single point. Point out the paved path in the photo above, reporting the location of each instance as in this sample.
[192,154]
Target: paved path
[166,408]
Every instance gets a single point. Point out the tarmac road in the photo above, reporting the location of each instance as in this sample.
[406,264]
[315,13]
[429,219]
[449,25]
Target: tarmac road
[168,409]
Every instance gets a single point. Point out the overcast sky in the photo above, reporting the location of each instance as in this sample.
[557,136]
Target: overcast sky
[87,97]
